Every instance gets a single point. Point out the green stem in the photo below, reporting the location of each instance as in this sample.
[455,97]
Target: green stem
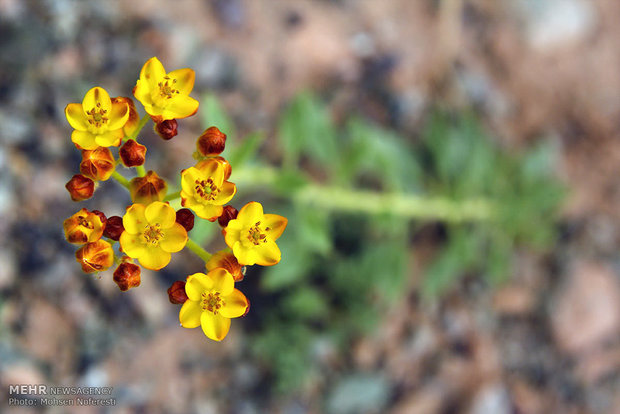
[199,251]
[172,196]
[120,179]
[141,124]
[140,171]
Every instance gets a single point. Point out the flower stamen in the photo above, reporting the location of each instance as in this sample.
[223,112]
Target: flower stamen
[97,116]
[206,189]
[256,236]
[166,89]
[152,234]
[211,302]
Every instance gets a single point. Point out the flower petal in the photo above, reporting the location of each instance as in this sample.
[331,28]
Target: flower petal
[188,179]
[226,194]
[184,80]
[180,106]
[215,327]
[223,281]
[212,169]
[232,233]
[84,140]
[189,316]
[160,213]
[94,96]
[196,284]
[206,211]
[174,238]
[134,220]
[154,258]
[250,213]
[276,225]
[152,73]
[76,116]
[118,115]
[110,138]
[132,244]
[235,305]
[245,256]
[267,253]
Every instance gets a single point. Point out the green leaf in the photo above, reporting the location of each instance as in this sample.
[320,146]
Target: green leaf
[244,151]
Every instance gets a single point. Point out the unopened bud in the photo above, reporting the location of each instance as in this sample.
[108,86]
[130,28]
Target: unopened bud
[211,142]
[95,256]
[167,129]
[134,118]
[145,190]
[228,261]
[185,218]
[176,293]
[80,187]
[97,164]
[228,213]
[127,275]
[83,227]
[132,153]
[113,228]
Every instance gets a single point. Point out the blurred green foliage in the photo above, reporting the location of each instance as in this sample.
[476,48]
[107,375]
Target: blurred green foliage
[342,266]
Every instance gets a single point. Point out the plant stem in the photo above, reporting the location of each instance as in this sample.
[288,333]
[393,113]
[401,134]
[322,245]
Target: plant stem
[199,251]
[141,124]
[140,171]
[120,179]
[172,196]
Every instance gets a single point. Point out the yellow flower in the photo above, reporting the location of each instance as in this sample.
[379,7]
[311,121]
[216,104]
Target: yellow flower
[204,189]
[252,235]
[98,121]
[212,302]
[151,234]
[83,227]
[165,95]
[96,256]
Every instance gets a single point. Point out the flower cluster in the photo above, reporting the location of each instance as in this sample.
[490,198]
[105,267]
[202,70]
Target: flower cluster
[151,229]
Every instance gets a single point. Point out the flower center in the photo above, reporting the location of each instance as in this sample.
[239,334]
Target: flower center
[166,88]
[85,223]
[96,116]
[152,234]
[256,235]
[206,189]
[211,302]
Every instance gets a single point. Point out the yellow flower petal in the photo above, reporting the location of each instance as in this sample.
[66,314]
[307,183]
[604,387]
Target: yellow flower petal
[188,179]
[154,258]
[96,96]
[132,244]
[118,115]
[223,281]
[184,80]
[180,106]
[235,305]
[226,194]
[174,238]
[196,284]
[110,138]
[152,73]
[267,254]
[245,256]
[215,327]
[276,225]
[160,213]
[212,169]
[205,211]
[232,232]
[84,139]
[76,116]
[134,220]
[250,213]
[189,316]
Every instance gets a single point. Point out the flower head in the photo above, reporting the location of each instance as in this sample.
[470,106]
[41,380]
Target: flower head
[95,256]
[226,260]
[165,95]
[151,234]
[204,189]
[252,235]
[98,122]
[212,302]
[145,190]
[83,227]
[97,164]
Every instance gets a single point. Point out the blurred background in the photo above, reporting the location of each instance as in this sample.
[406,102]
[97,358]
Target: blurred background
[449,169]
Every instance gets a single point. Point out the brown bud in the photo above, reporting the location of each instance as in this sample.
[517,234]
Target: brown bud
[167,129]
[84,226]
[229,213]
[176,293]
[134,118]
[185,218]
[132,153]
[211,142]
[95,256]
[113,228]
[127,275]
[97,164]
[228,261]
[80,187]
[145,190]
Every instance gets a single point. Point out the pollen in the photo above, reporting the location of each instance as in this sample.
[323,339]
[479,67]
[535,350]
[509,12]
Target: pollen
[166,88]
[211,302]
[85,223]
[256,235]
[206,189]
[97,116]
[152,234]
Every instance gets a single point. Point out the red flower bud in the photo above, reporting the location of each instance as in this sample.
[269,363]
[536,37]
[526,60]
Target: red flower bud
[211,142]
[229,213]
[127,275]
[97,164]
[132,153]
[167,129]
[176,293]
[113,228]
[185,218]
[80,187]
